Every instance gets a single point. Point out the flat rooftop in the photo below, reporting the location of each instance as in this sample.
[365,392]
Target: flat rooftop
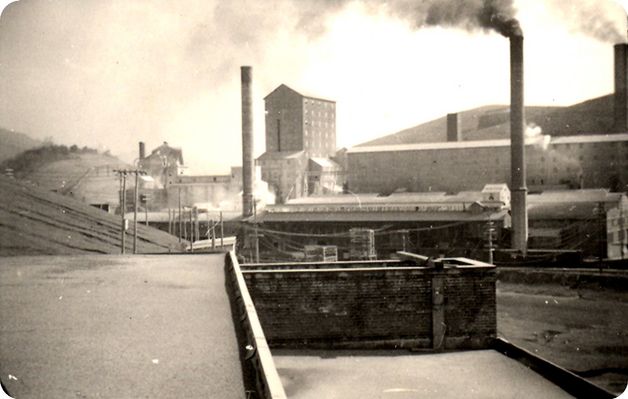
[117,326]
[340,374]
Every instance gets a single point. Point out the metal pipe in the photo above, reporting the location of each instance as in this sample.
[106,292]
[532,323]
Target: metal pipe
[247,142]
[517,148]
[620,97]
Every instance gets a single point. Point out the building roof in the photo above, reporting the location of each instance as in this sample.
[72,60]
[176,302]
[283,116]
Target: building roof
[268,155]
[493,122]
[563,211]
[494,187]
[570,196]
[368,216]
[134,348]
[592,138]
[395,374]
[371,198]
[325,163]
[286,87]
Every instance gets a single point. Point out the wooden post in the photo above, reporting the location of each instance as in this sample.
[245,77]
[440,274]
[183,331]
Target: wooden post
[197,228]
[222,232]
[123,211]
[169,225]
[213,232]
[438,310]
[136,196]
[180,217]
[191,229]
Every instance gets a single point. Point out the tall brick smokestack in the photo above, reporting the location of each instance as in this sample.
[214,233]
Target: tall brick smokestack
[453,127]
[620,101]
[518,187]
[247,141]
[142,150]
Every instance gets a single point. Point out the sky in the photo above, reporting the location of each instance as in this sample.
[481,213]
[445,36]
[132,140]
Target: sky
[110,73]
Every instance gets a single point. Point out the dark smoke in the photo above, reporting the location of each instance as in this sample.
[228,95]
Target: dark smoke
[487,15]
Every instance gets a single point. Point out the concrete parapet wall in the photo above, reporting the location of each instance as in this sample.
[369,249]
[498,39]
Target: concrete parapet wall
[261,377]
[374,306]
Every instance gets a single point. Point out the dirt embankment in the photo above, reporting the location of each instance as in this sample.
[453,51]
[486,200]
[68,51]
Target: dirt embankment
[38,222]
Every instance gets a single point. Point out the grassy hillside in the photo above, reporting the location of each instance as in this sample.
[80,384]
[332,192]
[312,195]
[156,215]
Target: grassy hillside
[38,222]
[14,143]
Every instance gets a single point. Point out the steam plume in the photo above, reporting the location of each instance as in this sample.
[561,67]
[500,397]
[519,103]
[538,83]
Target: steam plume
[603,20]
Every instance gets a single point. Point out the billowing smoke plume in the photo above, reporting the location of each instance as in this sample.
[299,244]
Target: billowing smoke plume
[497,15]
[603,20]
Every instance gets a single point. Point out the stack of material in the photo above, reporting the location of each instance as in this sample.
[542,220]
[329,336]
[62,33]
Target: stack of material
[321,253]
[362,244]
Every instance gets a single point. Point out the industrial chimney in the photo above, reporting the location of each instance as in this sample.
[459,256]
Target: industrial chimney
[621,88]
[247,142]
[142,150]
[453,127]
[518,188]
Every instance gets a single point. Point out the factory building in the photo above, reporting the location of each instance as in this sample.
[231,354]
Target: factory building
[433,223]
[163,164]
[568,162]
[173,186]
[594,221]
[300,139]
[295,122]
[580,146]
[589,223]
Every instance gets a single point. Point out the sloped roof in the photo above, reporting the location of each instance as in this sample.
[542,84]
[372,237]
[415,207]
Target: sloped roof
[590,138]
[325,163]
[286,87]
[563,211]
[367,216]
[280,155]
[585,195]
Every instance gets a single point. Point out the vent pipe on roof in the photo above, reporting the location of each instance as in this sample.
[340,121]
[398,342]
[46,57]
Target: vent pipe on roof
[453,127]
[518,187]
[248,166]
[142,150]
[620,98]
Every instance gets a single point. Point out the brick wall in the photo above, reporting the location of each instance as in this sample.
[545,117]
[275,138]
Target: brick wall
[374,306]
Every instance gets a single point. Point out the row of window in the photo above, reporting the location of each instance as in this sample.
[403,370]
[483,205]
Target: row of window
[323,114]
[317,103]
[321,124]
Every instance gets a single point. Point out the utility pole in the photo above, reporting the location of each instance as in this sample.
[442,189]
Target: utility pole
[122,173]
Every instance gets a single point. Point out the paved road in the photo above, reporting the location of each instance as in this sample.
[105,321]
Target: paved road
[117,327]
[403,375]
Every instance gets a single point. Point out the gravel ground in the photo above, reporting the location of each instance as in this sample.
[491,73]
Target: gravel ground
[583,330]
